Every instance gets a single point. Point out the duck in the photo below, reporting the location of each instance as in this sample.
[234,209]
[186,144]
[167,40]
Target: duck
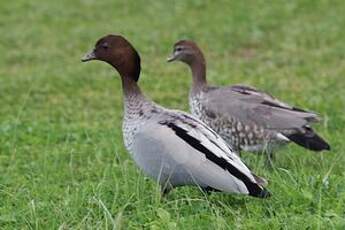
[248,119]
[172,147]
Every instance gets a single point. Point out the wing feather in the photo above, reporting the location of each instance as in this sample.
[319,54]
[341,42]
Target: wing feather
[253,106]
[203,139]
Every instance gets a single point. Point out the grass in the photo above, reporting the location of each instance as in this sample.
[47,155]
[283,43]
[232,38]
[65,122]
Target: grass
[62,160]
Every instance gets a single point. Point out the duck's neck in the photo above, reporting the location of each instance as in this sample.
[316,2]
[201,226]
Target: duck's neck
[129,70]
[130,88]
[132,94]
[198,67]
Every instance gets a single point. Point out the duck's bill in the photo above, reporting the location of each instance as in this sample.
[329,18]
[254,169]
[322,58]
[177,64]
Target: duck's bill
[171,58]
[89,56]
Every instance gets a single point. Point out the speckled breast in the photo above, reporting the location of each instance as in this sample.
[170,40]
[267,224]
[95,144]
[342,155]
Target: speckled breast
[240,136]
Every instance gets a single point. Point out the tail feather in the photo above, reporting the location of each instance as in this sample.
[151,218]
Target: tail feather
[257,189]
[309,139]
[260,193]
[265,193]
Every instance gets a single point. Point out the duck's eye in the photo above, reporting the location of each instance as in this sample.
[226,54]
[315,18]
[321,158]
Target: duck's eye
[105,46]
[178,49]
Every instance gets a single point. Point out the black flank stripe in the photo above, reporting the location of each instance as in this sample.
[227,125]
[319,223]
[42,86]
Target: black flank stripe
[253,188]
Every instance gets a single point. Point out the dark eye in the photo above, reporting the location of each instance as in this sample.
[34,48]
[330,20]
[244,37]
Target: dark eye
[105,46]
[178,49]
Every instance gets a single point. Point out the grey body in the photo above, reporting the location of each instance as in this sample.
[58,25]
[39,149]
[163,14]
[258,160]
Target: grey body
[238,114]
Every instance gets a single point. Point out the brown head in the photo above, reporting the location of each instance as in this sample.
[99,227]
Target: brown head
[118,52]
[186,51]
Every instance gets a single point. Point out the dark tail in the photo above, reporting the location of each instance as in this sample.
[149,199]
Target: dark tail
[265,193]
[257,188]
[310,140]
[260,192]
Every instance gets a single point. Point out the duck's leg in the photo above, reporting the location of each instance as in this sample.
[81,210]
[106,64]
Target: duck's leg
[165,189]
[269,155]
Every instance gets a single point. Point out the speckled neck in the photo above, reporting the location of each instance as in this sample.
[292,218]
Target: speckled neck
[137,110]
[133,99]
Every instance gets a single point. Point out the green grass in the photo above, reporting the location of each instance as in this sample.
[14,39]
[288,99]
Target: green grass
[62,160]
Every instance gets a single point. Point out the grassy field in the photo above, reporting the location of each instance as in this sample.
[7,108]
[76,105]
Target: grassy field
[62,160]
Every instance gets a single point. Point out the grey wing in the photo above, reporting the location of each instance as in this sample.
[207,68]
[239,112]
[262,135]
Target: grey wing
[268,98]
[250,105]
